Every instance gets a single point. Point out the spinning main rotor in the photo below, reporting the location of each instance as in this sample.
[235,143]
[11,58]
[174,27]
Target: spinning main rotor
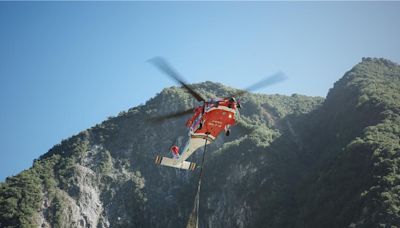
[166,68]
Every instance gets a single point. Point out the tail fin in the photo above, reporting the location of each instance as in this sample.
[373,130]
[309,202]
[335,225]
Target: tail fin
[175,163]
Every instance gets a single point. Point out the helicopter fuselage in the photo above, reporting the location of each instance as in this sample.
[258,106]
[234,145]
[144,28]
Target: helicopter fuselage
[212,118]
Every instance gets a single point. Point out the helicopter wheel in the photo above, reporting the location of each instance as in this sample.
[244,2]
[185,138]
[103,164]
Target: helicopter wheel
[228,132]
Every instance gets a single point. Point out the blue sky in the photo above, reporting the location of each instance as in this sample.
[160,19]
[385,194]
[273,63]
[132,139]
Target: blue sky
[65,66]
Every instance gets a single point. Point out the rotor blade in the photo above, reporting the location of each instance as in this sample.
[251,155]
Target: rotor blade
[171,115]
[270,80]
[163,66]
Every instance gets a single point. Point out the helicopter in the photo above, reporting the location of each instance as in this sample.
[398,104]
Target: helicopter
[208,120]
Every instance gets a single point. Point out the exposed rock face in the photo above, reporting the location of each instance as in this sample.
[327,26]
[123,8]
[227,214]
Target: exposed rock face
[89,197]
[84,208]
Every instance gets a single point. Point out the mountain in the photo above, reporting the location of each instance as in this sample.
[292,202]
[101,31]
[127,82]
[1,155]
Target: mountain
[291,161]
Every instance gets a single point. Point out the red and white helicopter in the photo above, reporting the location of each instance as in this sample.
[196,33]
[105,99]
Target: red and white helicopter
[208,120]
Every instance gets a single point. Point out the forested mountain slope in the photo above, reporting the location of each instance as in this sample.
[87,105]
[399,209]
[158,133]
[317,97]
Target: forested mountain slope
[292,161]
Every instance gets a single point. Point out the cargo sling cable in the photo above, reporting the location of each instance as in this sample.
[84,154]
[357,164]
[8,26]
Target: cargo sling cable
[193,221]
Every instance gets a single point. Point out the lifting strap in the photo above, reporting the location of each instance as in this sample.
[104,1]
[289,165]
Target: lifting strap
[193,221]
